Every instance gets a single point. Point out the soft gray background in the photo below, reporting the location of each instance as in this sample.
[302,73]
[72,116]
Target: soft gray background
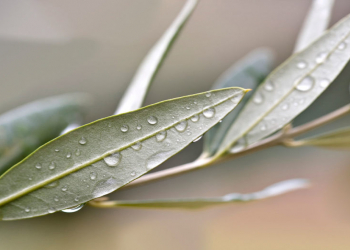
[58,46]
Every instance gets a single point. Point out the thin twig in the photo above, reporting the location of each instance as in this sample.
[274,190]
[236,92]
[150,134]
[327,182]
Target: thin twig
[277,139]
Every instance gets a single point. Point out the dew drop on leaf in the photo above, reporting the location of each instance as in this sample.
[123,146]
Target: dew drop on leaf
[73,209]
[27,210]
[258,98]
[306,83]
[324,83]
[113,159]
[138,127]
[69,155]
[52,166]
[137,146]
[285,106]
[181,126]
[198,138]
[124,128]
[195,118]
[64,188]
[238,146]
[93,175]
[301,65]
[152,120]
[208,94]
[342,46]
[269,86]
[161,136]
[209,113]
[321,57]
[82,141]
[38,166]
[77,152]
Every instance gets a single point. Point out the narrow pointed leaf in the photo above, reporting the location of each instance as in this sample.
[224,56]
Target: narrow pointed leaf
[195,203]
[247,73]
[25,128]
[138,88]
[291,88]
[339,139]
[100,157]
[315,24]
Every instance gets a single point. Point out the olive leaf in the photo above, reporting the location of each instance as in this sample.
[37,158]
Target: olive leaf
[315,24]
[291,88]
[339,139]
[100,157]
[137,89]
[247,73]
[195,203]
[25,128]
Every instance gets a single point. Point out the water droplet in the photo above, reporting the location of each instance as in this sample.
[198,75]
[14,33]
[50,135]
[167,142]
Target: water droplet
[189,133]
[258,98]
[133,174]
[69,155]
[138,127]
[198,138]
[263,127]
[93,175]
[64,188]
[342,46]
[27,210]
[269,86]
[195,102]
[161,136]
[38,166]
[306,84]
[30,178]
[321,57]
[181,126]
[238,146]
[77,152]
[137,146]
[51,210]
[56,199]
[109,125]
[76,199]
[324,83]
[52,166]
[113,159]
[57,150]
[188,108]
[285,106]
[73,209]
[52,184]
[236,98]
[152,120]
[301,65]
[220,121]
[82,141]
[124,128]
[209,113]
[208,94]
[195,118]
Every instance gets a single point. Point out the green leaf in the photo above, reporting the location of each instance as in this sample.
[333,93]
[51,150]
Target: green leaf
[339,139]
[247,73]
[291,88]
[25,128]
[195,203]
[138,88]
[315,24]
[100,157]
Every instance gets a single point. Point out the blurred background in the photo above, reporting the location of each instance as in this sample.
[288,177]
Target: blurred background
[52,47]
